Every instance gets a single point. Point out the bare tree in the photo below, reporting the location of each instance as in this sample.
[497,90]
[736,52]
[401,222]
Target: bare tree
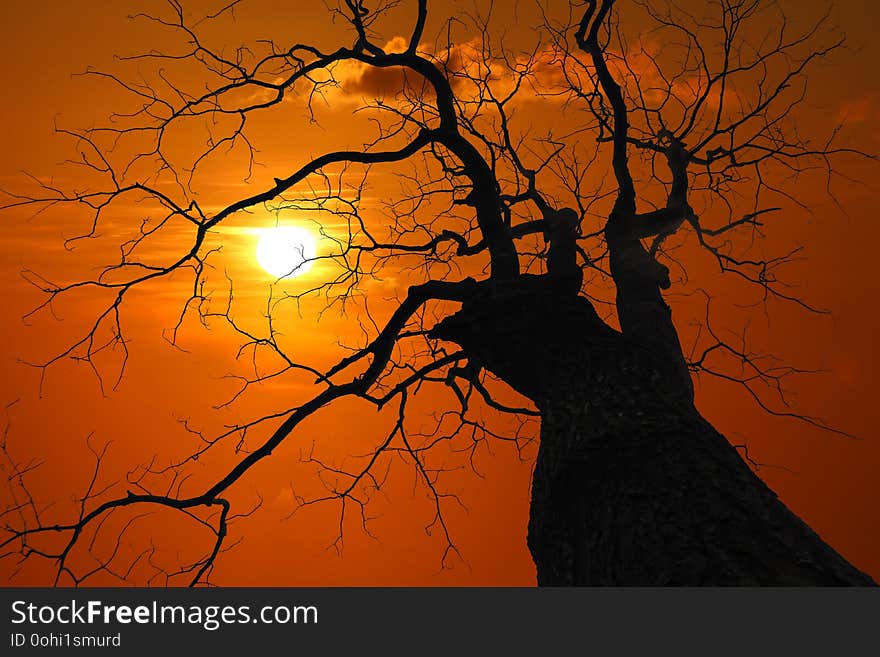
[538,262]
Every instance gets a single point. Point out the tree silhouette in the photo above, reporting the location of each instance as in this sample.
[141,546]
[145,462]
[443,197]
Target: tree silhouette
[534,263]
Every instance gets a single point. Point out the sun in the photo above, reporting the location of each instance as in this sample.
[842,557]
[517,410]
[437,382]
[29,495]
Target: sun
[286,251]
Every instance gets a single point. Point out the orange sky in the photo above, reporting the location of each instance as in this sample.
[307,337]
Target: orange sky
[828,480]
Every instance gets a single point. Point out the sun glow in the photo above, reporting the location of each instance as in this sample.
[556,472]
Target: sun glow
[286,251]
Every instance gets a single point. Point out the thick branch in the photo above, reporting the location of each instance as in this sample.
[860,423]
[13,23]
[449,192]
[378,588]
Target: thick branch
[587,37]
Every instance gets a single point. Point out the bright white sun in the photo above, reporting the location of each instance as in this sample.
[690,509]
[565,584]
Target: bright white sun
[286,251]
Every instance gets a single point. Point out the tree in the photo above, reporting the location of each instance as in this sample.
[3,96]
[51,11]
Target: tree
[510,244]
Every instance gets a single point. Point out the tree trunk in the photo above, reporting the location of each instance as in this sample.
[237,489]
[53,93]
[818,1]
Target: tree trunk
[631,486]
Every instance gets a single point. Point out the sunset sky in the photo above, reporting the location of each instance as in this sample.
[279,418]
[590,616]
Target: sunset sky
[829,480]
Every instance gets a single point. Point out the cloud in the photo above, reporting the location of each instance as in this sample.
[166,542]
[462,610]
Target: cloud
[357,80]
[859,110]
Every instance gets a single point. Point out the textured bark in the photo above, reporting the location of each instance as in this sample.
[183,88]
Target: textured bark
[631,486]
